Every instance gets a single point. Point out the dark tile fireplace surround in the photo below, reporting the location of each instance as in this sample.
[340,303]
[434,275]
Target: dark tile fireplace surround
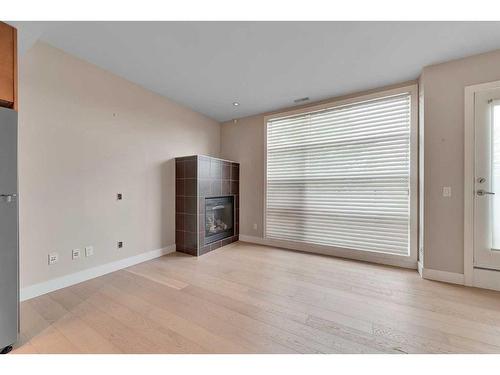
[203,181]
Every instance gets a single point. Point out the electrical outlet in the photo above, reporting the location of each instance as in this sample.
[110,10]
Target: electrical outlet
[89,251]
[75,254]
[119,196]
[120,244]
[446,191]
[53,258]
[254,226]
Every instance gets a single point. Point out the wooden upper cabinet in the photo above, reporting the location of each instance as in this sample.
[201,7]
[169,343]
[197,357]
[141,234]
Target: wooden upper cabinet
[8,66]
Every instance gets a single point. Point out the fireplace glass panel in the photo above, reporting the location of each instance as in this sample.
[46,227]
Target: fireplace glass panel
[219,218]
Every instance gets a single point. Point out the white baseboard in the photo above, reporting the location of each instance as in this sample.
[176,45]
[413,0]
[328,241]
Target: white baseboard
[487,279]
[252,239]
[444,276]
[420,268]
[36,290]
[365,256]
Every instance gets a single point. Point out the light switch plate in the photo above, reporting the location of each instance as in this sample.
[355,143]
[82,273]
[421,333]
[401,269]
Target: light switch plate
[89,251]
[53,258]
[75,254]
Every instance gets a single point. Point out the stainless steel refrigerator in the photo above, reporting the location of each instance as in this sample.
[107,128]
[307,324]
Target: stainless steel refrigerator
[9,242]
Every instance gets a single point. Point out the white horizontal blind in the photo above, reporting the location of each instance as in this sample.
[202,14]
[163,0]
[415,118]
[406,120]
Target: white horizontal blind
[341,177]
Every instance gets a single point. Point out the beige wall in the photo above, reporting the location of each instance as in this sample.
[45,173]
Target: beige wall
[443,87]
[85,135]
[243,141]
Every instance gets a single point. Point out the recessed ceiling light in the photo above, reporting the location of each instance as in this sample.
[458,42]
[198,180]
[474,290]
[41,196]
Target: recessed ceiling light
[236,104]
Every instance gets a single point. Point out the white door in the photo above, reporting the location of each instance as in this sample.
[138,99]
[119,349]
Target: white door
[487,179]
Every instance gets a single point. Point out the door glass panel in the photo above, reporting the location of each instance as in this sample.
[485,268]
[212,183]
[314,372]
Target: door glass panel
[495,166]
[487,179]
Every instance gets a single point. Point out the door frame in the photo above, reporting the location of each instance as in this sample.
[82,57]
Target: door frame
[477,277]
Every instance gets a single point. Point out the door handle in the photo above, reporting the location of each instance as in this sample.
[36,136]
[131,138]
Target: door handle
[8,197]
[482,192]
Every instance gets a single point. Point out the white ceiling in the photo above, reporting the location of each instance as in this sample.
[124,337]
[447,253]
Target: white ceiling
[262,65]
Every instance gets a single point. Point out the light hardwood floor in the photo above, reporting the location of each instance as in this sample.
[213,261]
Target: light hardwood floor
[246,298]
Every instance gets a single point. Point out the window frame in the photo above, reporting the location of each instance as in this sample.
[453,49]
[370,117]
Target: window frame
[408,261]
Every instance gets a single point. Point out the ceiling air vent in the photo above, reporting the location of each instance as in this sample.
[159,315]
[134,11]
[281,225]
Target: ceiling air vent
[300,100]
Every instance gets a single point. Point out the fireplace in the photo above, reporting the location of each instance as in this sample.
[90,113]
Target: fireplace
[219,218]
[207,203]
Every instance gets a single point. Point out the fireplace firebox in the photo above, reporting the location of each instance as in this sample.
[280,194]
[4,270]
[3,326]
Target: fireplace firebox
[219,218]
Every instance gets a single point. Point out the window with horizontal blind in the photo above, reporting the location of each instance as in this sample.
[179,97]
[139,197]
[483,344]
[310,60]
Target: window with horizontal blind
[340,176]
